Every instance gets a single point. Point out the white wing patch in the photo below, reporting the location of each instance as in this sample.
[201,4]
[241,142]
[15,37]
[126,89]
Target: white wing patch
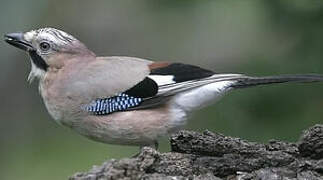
[162,79]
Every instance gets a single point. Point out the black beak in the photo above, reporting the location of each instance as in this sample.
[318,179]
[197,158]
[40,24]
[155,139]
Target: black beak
[17,40]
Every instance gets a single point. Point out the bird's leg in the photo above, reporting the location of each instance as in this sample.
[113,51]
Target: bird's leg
[136,155]
[155,146]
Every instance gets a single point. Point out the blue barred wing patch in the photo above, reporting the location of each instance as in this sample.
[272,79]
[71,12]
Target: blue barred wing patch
[120,102]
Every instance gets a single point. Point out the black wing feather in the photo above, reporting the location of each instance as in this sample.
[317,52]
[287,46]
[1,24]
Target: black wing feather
[146,88]
[183,72]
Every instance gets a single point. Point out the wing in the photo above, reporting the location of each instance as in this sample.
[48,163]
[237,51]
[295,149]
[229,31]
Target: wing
[163,82]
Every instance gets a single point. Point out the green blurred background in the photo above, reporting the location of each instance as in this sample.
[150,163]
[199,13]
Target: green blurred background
[251,37]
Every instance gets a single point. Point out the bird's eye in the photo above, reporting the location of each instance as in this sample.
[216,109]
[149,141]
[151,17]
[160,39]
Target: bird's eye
[44,46]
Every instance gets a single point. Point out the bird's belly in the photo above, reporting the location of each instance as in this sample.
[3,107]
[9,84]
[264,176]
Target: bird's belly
[138,127]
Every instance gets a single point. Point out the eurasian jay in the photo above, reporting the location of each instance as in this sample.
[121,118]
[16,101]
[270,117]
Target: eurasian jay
[123,100]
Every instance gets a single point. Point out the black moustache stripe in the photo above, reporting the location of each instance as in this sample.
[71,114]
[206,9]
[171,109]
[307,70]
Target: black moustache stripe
[38,60]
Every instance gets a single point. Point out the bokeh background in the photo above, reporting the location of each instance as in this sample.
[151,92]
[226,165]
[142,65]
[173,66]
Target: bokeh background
[252,36]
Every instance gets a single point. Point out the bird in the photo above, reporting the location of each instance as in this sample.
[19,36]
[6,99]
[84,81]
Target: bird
[119,99]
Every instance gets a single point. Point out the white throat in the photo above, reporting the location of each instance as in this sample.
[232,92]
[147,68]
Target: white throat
[35,72]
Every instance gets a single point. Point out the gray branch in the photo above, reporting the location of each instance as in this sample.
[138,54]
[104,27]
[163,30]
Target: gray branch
[210,155]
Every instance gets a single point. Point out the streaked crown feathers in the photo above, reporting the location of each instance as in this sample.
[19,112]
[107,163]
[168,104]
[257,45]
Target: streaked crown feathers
[49,34]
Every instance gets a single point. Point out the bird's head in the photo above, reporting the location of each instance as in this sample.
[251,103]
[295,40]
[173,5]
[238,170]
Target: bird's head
[48,48]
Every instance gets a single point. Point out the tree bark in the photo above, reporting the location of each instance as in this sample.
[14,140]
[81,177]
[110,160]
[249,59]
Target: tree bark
[210,155]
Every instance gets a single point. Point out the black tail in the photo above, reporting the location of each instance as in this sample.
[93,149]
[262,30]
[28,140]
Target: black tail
[255,81]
